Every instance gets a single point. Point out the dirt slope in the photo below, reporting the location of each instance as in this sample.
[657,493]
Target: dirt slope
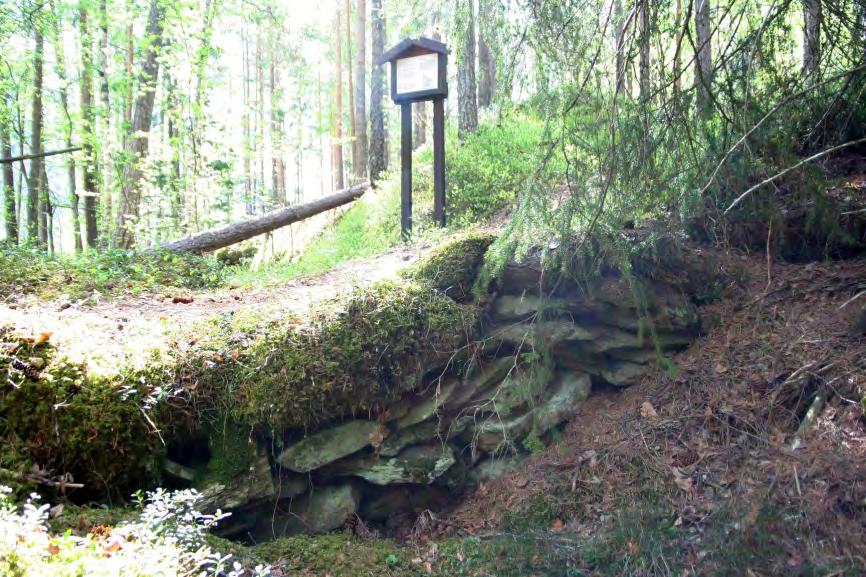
[694,469]
[124,330]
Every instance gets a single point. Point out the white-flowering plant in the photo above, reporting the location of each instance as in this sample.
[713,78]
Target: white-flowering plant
[167,541]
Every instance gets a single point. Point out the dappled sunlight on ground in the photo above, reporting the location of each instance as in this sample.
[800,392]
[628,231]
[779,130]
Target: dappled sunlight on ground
[124,331]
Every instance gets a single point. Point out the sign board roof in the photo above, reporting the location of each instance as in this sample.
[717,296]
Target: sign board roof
[413,47]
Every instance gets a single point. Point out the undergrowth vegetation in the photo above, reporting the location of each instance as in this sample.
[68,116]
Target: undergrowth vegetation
[167,540]
[742,455]
[755,166]
[485,172]
[58,417]
[367,228]
[96,274]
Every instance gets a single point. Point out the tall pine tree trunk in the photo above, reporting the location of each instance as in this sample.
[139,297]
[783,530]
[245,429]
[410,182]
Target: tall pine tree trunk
[859,30]
[320,122]
[173,114]
[60,69]
[36,224]
[644,67]
[378,161]
[277,163]
[128,76]
[486,58]
[260,114]
[201,91]
[467,99]
[106,174]
[359,163]
[337,144]
[704,58]
[351,93]
[74,198]
[299,148]
[812,17]
[249,200]
[129,207]
[678,56]
[621,22]
[10,211]
[90,175]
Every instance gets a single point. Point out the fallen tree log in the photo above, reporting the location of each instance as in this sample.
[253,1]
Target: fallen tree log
[12,159]
[212,240]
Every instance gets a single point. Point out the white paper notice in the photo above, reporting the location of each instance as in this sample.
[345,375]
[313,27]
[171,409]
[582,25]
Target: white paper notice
[418,73]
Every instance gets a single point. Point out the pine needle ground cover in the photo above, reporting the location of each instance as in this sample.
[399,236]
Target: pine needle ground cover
[692,471]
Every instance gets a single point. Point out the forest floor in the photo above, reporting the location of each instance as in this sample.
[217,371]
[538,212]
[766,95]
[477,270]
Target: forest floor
[121,330]
[703,470]
[715,468]
[708,469]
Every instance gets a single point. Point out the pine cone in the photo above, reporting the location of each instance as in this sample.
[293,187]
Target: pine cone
[29,370]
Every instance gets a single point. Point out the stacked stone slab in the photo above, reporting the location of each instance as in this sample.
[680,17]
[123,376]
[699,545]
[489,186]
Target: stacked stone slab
[541,353]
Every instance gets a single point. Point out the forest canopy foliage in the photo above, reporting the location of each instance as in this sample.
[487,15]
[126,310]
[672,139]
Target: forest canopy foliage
[197,114]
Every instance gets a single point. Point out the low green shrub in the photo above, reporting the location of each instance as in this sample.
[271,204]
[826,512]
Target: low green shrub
[485,171]
[166,541]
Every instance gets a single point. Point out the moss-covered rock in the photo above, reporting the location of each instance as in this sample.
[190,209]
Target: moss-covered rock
[259,382]
[255,484]
[325,508]
[420,465]
[350,359]
[453,267]
[235,255]
[327,446]
[88,428]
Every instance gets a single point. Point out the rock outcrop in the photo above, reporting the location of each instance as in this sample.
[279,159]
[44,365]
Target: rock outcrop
[327,446]
[535,355]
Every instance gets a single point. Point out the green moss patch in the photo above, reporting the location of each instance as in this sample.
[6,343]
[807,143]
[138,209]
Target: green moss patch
[60,419]
[351,357]
[453,267]
[342,555]
[338,555]
[231,453]
[30,270]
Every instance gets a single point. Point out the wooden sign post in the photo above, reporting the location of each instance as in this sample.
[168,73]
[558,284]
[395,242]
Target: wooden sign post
[419,70]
